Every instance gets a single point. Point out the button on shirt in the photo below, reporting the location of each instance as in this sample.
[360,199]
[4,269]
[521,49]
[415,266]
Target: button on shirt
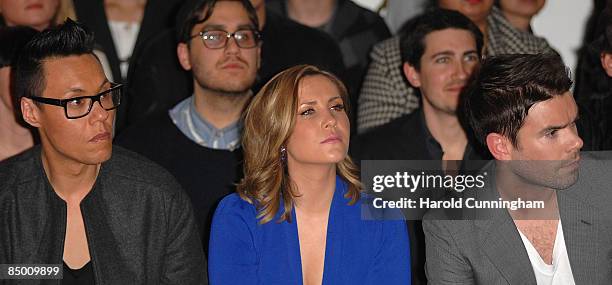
[197,129]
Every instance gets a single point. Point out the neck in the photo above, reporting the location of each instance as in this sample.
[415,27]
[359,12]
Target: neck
[40,27]
[71,180]
[520,22]
[220,109]
[445,128]
[315,184]
[14,138]
[511,187]
[312,13]
[482,25]
[128,11]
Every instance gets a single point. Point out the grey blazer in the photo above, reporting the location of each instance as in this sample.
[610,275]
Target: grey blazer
[491,251]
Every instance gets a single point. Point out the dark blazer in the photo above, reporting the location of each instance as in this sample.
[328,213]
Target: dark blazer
[407,138]
[490,251]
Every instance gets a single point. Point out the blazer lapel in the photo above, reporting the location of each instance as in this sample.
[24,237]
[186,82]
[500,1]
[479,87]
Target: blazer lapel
[293,247]
[502,244]
[579,231]
[333,245]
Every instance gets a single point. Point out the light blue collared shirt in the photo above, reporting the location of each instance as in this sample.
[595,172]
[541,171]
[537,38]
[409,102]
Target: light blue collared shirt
[197,129]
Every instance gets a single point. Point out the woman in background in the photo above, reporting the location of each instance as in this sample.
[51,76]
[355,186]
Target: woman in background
[15,137]
[296,218]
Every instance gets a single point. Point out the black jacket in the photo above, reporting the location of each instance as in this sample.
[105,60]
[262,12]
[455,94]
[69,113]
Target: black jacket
[139,224]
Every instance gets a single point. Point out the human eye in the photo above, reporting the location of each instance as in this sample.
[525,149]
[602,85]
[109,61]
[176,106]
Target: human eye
[471,57]
[552,133]
[213,36]
[244,35]
[338,107]
[76,102]
[307,112]
[443,59]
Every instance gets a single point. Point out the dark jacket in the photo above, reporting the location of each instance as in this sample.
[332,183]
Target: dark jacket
[139,224]
[408,138]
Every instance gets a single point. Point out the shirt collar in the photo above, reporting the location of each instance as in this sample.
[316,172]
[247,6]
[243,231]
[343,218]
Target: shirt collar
[200,131]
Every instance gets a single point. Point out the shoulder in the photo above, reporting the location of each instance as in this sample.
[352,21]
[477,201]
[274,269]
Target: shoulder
[594,178]
[236,215]
[133,170]
[387,136]
[232,204]
[289,31]
[367,16]
[20,169]
[386,48]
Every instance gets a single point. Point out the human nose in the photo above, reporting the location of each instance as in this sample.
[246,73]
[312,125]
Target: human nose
[462,70]
[329,120]
[575,141]
[98,112]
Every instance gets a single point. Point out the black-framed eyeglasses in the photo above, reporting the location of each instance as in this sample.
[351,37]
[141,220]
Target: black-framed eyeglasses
[216,39]
[79,107]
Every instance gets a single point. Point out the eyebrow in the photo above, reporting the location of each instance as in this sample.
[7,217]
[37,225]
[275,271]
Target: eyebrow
[79,90]
[555,128]
[210,27]
[448,52]
[315,102]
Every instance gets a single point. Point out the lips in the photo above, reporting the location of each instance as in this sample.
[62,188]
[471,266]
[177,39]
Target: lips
[101,137]
[474,2]
[233,65]
[34,6]
[332,139]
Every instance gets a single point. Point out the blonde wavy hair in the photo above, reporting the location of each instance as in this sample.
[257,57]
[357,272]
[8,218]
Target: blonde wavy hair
[268,123]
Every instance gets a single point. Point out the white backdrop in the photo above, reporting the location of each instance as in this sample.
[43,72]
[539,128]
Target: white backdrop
[561,22]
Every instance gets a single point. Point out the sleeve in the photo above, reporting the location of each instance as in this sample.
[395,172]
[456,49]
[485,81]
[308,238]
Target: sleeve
[232,255]
[443,262]
[184,257]
[392,263]
[384,95]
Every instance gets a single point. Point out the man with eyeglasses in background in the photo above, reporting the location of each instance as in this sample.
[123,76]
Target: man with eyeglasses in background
[101,214]
[198,140]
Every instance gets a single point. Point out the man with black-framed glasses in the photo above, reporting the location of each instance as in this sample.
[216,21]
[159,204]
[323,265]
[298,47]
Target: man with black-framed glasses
[77,206]
[198,140]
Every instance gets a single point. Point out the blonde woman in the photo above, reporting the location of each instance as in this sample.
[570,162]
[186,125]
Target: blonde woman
[296,218]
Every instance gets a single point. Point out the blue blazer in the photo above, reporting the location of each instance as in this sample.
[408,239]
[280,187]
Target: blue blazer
[241,251]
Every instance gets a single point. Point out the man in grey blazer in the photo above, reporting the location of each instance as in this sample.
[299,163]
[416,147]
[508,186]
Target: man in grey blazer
[521,108]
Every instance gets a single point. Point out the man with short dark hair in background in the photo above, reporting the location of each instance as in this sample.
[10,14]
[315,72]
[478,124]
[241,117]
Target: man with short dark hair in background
[198,140]
[439,55]
[520,107]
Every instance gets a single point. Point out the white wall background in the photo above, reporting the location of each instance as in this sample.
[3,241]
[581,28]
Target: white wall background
[561,22]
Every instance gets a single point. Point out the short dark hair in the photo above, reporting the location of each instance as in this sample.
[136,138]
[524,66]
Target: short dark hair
[13,39]
[69,38]
[198,11]
[412,41]
[505,87]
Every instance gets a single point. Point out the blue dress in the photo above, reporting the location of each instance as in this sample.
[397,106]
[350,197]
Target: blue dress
[241,251]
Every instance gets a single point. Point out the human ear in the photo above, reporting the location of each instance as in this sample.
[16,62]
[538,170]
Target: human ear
[499,146]
[182,51]
[606,63]
[412,75]
[30,112]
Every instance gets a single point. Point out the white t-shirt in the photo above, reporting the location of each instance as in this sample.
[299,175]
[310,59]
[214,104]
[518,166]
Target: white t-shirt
[560,272]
